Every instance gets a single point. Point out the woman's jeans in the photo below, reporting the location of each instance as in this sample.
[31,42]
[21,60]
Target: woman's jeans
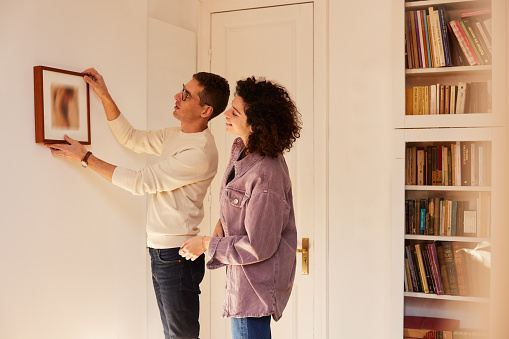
[251,328]
[177,287]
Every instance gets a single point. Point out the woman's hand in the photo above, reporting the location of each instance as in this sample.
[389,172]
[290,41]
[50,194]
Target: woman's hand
[218,230]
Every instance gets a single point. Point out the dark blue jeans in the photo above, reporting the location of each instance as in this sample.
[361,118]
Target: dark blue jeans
[251,328]
[177,287]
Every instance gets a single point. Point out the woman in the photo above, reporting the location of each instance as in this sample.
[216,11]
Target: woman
[256,237]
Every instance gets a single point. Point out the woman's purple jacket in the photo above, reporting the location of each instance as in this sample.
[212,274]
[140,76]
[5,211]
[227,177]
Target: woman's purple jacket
[260,242]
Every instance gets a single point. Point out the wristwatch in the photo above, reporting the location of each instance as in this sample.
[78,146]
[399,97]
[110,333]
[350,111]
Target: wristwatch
[84,161]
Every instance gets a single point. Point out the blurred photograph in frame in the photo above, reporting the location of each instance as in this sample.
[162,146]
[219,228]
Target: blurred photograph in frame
[62,105]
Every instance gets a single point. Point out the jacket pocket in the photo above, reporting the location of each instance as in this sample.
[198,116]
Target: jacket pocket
[236,198]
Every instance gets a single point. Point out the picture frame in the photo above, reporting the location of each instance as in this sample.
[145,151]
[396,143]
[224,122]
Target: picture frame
[62,106]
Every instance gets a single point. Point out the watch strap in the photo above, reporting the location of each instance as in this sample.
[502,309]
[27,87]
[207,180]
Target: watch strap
[84,161]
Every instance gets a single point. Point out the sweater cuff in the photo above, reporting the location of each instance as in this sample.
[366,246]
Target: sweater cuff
[213,263]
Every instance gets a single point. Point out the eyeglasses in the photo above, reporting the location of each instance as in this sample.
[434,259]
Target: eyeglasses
[186,94]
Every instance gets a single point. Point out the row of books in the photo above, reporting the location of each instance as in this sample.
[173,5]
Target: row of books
[417,327]
[434,41]
[463,163]
[442,217]
[448,268]
[471,97]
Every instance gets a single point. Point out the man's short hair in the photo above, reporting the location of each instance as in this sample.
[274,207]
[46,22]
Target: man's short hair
[215,93]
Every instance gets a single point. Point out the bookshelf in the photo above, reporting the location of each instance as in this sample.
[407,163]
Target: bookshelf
[432,213]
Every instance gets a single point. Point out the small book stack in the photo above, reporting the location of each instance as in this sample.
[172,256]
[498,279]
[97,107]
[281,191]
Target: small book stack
[429,328]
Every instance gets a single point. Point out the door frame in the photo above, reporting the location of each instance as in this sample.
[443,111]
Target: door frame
[321,130]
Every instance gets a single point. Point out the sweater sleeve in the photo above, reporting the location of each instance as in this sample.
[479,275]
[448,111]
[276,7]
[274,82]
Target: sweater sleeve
[179,170]
[266,217]
[139,141]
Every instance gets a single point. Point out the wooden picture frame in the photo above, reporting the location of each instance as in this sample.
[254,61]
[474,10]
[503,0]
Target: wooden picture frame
[62,106]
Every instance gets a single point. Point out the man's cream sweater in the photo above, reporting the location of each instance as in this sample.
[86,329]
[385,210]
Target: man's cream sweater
[177,183]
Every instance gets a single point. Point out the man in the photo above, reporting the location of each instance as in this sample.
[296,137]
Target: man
[177,185]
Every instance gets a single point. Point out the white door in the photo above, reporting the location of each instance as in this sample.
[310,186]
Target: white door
[277,43]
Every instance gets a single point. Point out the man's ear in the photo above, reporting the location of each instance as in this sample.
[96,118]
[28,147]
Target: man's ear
[207,113]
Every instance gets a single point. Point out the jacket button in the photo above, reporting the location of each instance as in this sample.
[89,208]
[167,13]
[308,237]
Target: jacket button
[236,201]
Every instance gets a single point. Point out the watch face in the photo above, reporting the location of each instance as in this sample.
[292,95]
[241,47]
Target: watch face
[84,164]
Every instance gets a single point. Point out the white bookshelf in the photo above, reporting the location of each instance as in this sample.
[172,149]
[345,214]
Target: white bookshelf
[473,311]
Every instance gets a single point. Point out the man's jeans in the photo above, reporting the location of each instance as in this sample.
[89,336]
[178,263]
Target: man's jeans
[177,287]
[251,328]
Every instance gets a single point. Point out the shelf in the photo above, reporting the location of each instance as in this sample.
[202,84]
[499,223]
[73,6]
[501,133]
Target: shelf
[445,297]
[444,238]
[449,5]
[448,71]
[453,120]
[448,188]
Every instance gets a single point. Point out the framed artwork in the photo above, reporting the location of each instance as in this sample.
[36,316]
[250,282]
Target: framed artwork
[62,105]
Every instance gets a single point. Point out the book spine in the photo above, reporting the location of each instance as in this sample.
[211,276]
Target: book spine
[443,269]
[418,35]
[422,272]
[465,164]
[450,267]
[475,53]
[438,36]
[436,269]
[427,35]
[461,271]
[415,53]
[443,27]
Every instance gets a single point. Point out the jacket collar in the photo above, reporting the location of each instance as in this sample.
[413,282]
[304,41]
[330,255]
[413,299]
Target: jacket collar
[243,165]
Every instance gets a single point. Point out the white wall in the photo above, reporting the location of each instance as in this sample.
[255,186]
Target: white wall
[360,122]
[72,245]
[180,13]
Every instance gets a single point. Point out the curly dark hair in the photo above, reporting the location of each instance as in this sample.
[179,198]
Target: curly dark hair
[216,91]
[272,114]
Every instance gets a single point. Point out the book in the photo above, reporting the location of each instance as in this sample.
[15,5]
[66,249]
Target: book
[418,33]
[447,98]
[408,277]
[421,268]
[470,223]
[461,268]
[412,268]
[452,100]
[415,47]
[460,100]
[443,269]
[445,39]
[465,164]
[450,267]
[409,101]
[435,266]
[421,163]
[438,37]
[433,38]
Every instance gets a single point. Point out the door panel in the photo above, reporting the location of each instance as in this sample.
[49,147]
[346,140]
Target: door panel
[276,43]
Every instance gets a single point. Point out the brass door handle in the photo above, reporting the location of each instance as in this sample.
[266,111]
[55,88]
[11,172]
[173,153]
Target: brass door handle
[305,255]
